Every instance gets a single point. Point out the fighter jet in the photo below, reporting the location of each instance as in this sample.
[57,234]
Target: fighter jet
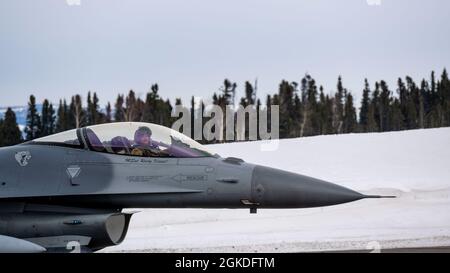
[71,188]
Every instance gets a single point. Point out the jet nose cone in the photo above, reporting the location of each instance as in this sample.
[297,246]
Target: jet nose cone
[280,189]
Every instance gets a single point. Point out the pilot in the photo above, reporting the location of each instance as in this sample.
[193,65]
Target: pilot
[144,146]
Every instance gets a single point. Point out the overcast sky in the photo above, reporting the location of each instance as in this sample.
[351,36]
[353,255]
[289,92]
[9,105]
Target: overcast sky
[53,49]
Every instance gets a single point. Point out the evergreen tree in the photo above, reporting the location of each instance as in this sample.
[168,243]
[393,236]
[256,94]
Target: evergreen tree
[375,107]
[227,97]
[433,110]
[384,107]
[286,94]
[248,99]
[310,116]
[51,119]
[303,107]
[108,116]
[228,92]
[89,114]
[325,108]
[33,127]
[312,123]
[403,102]
[93,115]
[152,101]
[329,115]
[338,114]
[396,119]
[297,115]
[131,107]
[250,95]
[140,105]
[349,123]
[412,103]
[444,97]
[47,118]
[371,122]
[10,133]
[155,109]
[62,120]
[119,111]
[365,104]
[166,111]
[423,101]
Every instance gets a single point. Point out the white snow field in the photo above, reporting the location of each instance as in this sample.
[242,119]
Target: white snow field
[413,165]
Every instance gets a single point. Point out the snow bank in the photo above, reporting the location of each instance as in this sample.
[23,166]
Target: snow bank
[406,160]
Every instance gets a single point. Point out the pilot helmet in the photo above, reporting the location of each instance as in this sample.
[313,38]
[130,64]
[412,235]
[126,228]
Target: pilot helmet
[141,132]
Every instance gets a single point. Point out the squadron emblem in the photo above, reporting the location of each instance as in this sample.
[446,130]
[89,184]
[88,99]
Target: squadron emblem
[23,157]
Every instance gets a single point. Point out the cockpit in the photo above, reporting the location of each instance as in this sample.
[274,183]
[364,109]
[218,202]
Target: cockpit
[128,138]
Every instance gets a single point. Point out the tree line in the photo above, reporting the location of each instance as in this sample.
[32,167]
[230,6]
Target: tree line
[305,108]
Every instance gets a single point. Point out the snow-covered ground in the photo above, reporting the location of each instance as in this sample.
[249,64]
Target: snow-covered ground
[413,165]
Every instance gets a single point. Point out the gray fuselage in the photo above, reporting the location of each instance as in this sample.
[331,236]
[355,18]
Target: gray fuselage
[80,177]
